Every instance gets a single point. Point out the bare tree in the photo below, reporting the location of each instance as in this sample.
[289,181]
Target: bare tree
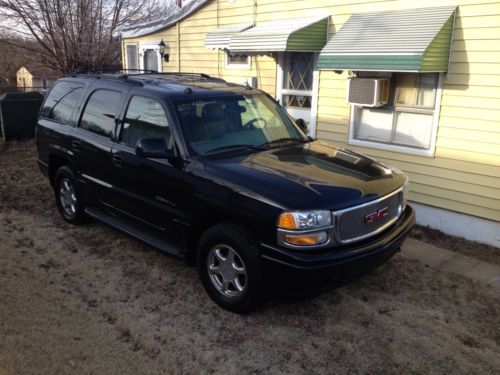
[74,35]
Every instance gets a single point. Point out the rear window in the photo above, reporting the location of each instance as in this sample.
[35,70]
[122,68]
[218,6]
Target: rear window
[61,101]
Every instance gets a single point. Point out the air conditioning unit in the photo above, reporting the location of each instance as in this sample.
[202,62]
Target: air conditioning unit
[368,92]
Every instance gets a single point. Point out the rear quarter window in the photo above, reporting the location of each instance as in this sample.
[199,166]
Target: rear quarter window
[61,101]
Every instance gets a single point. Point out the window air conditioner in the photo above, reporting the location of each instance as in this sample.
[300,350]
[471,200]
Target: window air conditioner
[368,92]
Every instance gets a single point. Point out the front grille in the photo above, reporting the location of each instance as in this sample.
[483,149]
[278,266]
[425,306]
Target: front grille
[353,224]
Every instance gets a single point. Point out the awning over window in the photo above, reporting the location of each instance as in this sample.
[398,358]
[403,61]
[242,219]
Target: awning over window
[415,40]
[306,34]
[220,38]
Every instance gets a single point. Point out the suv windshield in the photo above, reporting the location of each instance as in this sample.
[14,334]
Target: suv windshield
[240,122]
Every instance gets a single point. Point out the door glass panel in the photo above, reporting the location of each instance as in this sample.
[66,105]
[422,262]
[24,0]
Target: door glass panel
[132,57]
[297,101]
[145,118]
[150,60]
[298,71]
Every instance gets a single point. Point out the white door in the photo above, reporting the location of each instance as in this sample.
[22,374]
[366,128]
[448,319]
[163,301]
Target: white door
[297,86]
[149,57]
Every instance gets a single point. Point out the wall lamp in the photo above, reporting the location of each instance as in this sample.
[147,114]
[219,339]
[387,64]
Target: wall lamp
[164,51]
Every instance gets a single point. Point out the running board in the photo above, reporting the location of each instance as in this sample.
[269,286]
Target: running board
[133,231]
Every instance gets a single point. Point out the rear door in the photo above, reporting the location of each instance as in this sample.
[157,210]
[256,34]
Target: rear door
[148,190]
[91,141]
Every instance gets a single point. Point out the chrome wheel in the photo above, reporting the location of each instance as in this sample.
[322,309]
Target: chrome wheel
[67,196]
[227,271]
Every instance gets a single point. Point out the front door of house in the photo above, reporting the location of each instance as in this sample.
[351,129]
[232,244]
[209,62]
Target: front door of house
[296,85]
[150,58]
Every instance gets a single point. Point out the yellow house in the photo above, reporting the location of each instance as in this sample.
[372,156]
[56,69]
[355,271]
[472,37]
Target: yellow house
[36,78]
[418,88]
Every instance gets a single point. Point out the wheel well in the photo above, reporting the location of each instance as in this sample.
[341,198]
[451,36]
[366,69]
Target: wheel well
[202,224]
[56,162]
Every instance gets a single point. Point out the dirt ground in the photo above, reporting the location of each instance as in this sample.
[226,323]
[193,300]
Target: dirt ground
[92,300]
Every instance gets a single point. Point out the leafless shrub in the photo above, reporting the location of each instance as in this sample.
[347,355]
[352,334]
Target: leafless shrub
[74,35]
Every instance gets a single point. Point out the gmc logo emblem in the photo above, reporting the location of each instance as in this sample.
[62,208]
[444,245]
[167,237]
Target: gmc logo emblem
[377,215]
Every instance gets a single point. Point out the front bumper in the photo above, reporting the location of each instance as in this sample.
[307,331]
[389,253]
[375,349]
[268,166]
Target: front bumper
[304,272]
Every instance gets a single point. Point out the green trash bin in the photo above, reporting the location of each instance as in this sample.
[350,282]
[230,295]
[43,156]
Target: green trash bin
[18,114]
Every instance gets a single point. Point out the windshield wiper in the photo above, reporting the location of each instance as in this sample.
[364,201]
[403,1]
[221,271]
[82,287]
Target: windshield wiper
[241,146]
[282,140]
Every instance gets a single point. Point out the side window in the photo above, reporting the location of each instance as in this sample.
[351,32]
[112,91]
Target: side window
[145,118]
[61,101]
[100,111]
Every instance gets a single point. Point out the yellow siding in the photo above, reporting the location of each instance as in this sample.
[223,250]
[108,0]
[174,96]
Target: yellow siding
[464,174]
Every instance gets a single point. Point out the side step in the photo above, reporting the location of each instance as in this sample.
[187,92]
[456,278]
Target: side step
[140,234]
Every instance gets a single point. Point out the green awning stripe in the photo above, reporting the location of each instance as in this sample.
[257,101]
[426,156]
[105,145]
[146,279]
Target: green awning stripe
[408,40]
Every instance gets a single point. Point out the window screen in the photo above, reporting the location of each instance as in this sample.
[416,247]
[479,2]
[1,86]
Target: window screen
[145,118]
[61,101]
[100,111]
[237,60]
[132,57]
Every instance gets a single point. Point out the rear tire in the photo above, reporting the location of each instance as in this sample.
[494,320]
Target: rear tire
[229,269]
[69,198]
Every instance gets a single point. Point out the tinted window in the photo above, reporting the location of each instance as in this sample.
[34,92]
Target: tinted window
[100,112]
[145,118]
[62,99]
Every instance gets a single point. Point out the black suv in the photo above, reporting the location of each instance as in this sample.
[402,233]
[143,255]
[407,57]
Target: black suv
[220,175]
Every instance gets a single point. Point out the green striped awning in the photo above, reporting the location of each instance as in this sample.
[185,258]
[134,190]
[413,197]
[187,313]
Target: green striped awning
[220,38]
[413,40]
[300,35]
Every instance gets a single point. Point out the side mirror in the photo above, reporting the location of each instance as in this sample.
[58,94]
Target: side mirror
[302,125]
[153,148]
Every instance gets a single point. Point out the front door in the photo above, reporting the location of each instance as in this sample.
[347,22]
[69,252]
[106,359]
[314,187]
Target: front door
[150,58]
[297,89]
[148,190]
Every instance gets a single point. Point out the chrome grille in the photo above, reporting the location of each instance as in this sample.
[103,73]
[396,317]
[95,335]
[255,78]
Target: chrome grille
[352,224]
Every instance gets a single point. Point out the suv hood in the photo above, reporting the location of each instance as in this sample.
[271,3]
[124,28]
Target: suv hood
[316,175]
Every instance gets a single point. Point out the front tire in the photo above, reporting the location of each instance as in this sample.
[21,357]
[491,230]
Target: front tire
[229,269]
[69,199]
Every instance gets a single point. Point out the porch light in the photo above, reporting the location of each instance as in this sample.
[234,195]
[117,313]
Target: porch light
[163,51]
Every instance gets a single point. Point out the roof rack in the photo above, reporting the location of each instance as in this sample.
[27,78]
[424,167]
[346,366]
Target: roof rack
[133,75]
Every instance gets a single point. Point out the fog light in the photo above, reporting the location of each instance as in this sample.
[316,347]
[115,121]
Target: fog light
[306,239]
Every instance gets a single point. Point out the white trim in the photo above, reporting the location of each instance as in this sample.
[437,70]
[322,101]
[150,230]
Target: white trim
[399,148]
[229,65]
[457,224]
[315,99]
[153,46]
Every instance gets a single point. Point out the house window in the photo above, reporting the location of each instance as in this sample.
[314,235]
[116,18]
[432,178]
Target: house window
[408,123]
[238,61]
[132,58]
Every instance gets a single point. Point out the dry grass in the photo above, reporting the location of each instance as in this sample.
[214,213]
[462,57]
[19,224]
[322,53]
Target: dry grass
[92,300]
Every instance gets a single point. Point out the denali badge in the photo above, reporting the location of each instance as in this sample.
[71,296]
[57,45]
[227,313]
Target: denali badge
[377,215]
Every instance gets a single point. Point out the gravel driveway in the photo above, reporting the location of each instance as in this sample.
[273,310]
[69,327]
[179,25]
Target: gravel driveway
[92,300]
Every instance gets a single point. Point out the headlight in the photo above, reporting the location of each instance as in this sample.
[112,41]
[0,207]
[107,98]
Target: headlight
[406,191]
[304,228]
[305,220]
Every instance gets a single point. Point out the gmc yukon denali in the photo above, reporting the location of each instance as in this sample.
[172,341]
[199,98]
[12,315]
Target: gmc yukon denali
[220,175]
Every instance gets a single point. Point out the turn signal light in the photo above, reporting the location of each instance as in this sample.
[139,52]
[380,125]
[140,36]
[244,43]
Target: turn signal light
[287,221]
[306,239]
